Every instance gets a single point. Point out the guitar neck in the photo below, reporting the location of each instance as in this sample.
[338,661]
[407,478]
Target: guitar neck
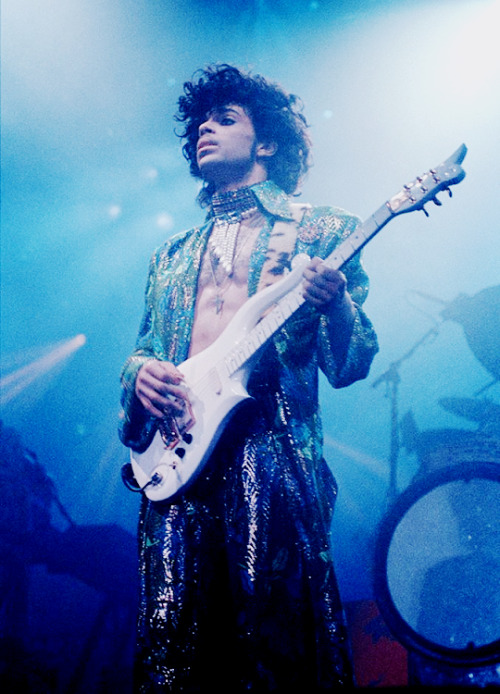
[412,196]
[355,242]
[287,305]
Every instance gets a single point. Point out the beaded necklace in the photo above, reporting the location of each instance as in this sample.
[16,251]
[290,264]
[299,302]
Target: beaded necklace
[228,210]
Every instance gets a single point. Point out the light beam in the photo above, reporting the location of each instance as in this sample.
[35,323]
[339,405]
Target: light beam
[17,381]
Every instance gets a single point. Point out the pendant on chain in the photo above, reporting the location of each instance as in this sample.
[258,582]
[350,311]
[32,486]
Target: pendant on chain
[219,304]
[229,210]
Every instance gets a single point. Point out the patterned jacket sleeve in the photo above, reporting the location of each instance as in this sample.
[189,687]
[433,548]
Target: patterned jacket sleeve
[336,225]
[136,427]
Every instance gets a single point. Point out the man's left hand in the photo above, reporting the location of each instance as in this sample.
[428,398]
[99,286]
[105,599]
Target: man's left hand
[324,287]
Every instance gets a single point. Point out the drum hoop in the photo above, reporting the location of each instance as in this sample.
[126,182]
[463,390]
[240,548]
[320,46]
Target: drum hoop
[482,655]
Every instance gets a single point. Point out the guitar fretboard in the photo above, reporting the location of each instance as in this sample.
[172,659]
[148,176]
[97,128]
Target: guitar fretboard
[264,330]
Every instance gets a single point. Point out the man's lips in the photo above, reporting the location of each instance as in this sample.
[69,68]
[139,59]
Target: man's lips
[203,145]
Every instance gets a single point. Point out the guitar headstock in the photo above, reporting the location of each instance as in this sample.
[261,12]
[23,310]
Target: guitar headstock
[424,188]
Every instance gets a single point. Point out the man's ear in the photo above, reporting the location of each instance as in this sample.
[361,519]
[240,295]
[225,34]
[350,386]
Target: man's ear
[267,149]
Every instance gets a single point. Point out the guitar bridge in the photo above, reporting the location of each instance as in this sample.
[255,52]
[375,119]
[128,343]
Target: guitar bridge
[168,431]
[174,427]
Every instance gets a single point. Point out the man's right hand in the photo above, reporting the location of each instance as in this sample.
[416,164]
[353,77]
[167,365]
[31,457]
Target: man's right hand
[159,387]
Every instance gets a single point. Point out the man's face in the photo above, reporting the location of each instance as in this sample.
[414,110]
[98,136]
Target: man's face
[227,146]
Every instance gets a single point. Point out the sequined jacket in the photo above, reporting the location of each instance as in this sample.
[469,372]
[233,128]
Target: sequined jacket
[287,373]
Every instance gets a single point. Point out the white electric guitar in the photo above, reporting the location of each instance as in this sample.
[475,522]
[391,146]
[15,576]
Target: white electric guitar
[217,377]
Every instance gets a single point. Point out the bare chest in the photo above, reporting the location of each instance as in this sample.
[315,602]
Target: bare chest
[219,293]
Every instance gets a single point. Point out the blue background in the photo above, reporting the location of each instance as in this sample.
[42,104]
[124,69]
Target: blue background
[93,180]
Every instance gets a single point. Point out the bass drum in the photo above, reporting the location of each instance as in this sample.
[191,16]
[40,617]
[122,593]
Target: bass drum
[437,565]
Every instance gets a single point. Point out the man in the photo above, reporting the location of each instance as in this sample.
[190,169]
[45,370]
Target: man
[238,587]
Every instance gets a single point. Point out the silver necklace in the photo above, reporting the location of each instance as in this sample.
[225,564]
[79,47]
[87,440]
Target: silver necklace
[224,238]
[228,210]
[222,286]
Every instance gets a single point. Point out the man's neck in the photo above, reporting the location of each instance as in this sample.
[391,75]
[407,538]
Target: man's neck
[257,175]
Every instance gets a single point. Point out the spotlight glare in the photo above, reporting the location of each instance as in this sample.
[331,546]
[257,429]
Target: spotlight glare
[114,211]
[18,381]
[164,221]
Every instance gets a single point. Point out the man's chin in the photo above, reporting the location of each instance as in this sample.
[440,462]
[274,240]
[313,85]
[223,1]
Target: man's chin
[209,168]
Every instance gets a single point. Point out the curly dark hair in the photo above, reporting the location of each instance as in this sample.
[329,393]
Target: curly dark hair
[276,116]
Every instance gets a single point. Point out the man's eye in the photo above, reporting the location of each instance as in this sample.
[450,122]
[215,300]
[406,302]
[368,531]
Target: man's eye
[227,121]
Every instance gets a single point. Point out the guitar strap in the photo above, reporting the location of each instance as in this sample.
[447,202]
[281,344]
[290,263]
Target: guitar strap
[281,245]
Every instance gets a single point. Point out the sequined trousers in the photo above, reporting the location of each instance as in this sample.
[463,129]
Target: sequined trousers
[238,587]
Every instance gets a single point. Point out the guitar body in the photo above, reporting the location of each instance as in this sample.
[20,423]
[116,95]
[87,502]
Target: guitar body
[164,471]
[216,378]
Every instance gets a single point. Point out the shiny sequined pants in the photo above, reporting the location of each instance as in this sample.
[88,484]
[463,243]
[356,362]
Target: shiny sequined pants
[238,588]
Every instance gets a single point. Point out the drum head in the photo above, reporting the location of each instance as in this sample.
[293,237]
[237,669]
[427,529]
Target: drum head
[437,565]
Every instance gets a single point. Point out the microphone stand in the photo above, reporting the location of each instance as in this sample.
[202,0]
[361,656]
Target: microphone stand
[392,378]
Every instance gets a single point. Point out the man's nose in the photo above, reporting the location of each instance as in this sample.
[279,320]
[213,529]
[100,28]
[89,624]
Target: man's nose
[206,127]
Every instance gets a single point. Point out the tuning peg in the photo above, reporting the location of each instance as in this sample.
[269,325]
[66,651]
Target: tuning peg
[448,190]
[425,211]
[437,202]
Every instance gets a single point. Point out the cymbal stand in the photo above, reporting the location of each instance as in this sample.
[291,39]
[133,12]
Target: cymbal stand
[392,379]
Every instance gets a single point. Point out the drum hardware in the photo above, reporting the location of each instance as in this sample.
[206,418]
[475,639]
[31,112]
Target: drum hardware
[479,316]
[437,574]
[485,412]
[392,380]
[437,561]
